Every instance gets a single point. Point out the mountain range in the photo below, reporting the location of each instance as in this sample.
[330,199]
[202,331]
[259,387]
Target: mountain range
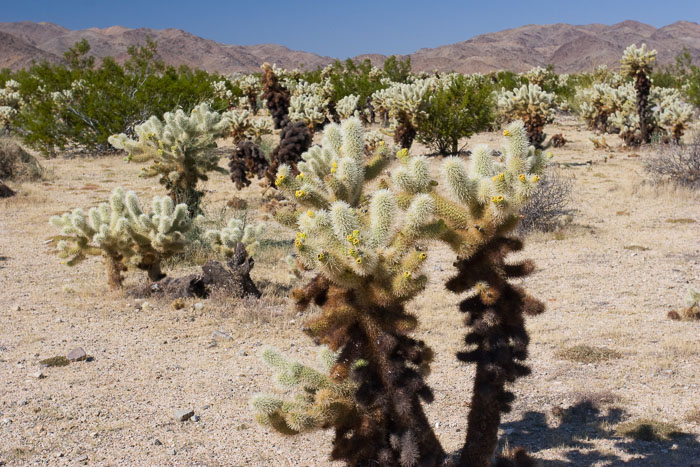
[570,48]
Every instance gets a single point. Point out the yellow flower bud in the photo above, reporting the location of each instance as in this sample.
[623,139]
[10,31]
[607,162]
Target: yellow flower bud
[355,241]
[522,177]
[422,256]
[321,256]
[334,165]
[535,179]
[297,243]
[349,237]
[310,213]
[506,133]
[333,170]
[499,178]
[407,274]
[402,153]
[358,260]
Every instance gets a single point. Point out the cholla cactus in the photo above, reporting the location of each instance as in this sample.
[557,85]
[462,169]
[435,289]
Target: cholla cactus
[308,108]
[180,147]
[123,234]
[368,251]
[637,64]
[671,113]
[322,401]
[530,104]
[221,91]
[543,77]
[405,103]
[10,103]
[240,125]
[276,95]
[597,103]
[250,85]
[236,231]
[347,106]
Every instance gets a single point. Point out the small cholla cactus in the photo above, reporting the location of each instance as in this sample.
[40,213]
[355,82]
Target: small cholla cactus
[250,85]
[673,115]
[123,234]
[530,104]
[180,148]
[347,106]
[308,108]
[597,103]
[637,63]
[239,126]
[542,77]
[10,103]
[322,401]
[236,231]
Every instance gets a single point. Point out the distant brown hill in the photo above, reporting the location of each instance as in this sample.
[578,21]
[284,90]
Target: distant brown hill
[569,48]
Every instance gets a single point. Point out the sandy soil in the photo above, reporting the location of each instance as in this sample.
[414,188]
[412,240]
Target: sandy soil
[118,408]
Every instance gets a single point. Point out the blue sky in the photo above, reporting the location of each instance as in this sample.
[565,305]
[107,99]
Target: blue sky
[343,28]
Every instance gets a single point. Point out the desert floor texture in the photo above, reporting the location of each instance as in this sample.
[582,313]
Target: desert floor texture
[608,278]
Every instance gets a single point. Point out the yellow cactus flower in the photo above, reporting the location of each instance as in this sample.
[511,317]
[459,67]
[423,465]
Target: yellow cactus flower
[535,179]
[550,154]
[381,143]
[422,256]
[402,153]
[499,178]
[333,170]
[297,243]
[310,213]
[498,199]
[355,233]
[334,165]
[358,260]
[349,238]
[506,133]
[300,193]
[407,274]
[160,153]
[355,241]
[300,176]
[280,179]
[321,256]
[522,177]
[351,251]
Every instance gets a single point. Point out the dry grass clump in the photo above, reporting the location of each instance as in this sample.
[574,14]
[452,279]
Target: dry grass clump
[682,220]
[647,429]
[548,207]
[679,163]
[587,354]
[17,164]
[691,313]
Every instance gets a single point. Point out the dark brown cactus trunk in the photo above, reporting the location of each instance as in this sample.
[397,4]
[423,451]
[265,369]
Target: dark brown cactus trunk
[643,86]
[405,132]
[497,340]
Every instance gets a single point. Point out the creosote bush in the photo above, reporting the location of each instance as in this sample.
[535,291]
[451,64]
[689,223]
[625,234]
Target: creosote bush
[367,250]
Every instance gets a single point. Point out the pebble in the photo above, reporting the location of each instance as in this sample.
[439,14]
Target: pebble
[17,308]
[195,418]
[23,402]
[242,353]
[6,421]
[184,415]
[38,375]
[211,344]
[76,355]
[83,458]
[220,335]
[173,452]
[198,306]
[157,442]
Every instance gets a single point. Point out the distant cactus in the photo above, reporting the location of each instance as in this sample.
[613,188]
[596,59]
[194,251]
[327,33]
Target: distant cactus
[123,234]
[530,104]
[348,105]
[637,63]
[405,103]
[180,148]
[276,95]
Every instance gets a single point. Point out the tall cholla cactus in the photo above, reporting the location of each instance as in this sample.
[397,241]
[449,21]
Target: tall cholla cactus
[123,234]
[368,251]
[637,64]
[180,147]
[236,231]
[368,262]
[323,402]
[530,104]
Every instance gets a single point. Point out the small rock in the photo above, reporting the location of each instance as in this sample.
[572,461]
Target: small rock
[6,421]
[59,320]
[17,308]
[198,306]
[242,353]
[76,355]
[195,418]
[83,458]
[157,442]
[138,303]
[59,454]
[38,375]
[206,407]
[23,402]
[220,335]
[184,415]
[173,452]
[211,344]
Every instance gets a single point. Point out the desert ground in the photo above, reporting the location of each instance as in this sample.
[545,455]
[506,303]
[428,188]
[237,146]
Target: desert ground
[628,256]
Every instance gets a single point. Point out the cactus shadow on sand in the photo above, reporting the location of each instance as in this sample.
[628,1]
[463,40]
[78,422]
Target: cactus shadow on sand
[582,425]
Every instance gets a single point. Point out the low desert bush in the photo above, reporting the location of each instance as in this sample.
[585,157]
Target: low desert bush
[587,354]
[678,163]
[549,205]
[18,164]
[648,430]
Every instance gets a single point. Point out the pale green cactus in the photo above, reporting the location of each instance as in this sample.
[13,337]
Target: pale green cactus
[309,108]
[637,60]
[692,298]
[240,125]
[530,104]
[180,147]
[347,106]
[597,103]
[123,234]
[320,399]
[236,231]
[10,102]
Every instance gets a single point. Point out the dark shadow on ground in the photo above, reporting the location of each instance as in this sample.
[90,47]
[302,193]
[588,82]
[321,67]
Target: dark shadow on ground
[582,424]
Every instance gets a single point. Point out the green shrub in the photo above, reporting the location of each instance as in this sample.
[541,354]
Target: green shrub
[457,110]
